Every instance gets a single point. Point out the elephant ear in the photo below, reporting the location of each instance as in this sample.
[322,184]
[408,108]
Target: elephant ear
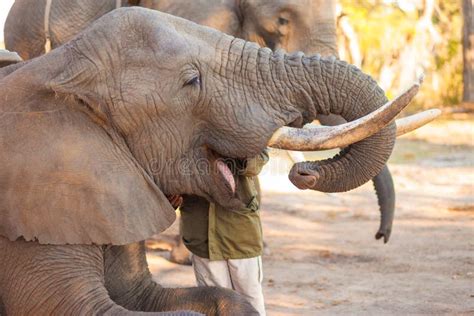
[65,180]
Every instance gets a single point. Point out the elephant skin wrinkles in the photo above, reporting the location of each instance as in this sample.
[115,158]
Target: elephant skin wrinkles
[293,25]
[78,137]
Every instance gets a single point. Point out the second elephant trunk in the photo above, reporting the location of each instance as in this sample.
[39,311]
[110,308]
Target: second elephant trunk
[383,184]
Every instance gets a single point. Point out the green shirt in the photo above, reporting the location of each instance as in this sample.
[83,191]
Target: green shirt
[211,231]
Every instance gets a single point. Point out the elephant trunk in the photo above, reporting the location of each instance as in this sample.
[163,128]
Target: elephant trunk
[383,182]
[316,85]
[350,94]
[385,190]
[324,40]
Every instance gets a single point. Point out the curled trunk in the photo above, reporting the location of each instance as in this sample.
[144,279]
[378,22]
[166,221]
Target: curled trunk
[383,182]
[331,86]
[294,89]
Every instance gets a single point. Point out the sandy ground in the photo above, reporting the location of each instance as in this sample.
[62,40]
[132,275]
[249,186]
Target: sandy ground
[324,260]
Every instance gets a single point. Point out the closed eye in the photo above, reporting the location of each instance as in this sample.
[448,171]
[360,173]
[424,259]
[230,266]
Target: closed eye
[194,81]
[283,21]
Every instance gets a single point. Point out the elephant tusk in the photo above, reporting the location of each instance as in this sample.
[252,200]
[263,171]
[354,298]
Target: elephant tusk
[407,124]
[404,126]
[324,137]
[9,57]
[410,123]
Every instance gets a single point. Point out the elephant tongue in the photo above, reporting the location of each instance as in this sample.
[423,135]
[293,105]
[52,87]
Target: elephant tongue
[224,173]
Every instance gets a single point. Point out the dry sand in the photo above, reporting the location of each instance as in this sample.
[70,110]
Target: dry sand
[324,260]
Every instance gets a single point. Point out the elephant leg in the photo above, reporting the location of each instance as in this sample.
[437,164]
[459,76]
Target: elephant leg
[206,300]
[130,285]
[54,280]
[385,190]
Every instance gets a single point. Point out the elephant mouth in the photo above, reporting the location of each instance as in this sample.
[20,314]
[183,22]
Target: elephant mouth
[221,174]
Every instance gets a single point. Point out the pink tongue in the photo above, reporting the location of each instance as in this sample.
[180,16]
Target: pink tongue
[226,174]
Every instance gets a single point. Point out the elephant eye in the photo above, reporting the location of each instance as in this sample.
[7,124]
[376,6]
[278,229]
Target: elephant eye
[194,81]
[283,21]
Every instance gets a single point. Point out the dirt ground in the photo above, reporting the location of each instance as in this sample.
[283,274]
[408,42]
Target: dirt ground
[323,258]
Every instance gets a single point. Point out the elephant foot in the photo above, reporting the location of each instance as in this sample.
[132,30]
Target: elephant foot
[180,254]
[212,301]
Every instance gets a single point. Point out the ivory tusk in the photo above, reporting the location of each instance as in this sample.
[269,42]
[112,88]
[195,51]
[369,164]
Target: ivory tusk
[410,123]
[9,57]
[407,124]
[323,137]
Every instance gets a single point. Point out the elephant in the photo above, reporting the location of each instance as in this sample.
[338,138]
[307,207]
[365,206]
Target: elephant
[293,25]
[140,105]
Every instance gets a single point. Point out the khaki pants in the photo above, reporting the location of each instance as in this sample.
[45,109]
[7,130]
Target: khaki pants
[241,275]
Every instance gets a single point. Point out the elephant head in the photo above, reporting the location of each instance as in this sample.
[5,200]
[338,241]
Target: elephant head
[222,15]
[293,25]
[142,104]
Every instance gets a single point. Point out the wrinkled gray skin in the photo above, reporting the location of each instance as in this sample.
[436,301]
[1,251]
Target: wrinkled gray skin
[310,26]
[86,156]
[293,25]
[98,280]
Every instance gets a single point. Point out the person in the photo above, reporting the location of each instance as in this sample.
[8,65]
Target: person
[227,245]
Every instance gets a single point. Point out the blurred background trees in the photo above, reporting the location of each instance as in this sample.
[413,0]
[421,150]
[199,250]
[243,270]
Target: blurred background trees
[468,52]
[396,41]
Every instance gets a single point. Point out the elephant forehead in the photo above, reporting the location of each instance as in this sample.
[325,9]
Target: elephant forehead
[136,28]
[170,43]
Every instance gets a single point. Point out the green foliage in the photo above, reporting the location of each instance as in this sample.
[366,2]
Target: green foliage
[392,33]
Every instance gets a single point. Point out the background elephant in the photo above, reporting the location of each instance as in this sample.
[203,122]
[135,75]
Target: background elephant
[293,25]
[86,160]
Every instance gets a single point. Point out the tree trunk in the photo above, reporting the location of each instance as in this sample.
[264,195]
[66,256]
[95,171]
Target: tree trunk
[468,51]
[351,42]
